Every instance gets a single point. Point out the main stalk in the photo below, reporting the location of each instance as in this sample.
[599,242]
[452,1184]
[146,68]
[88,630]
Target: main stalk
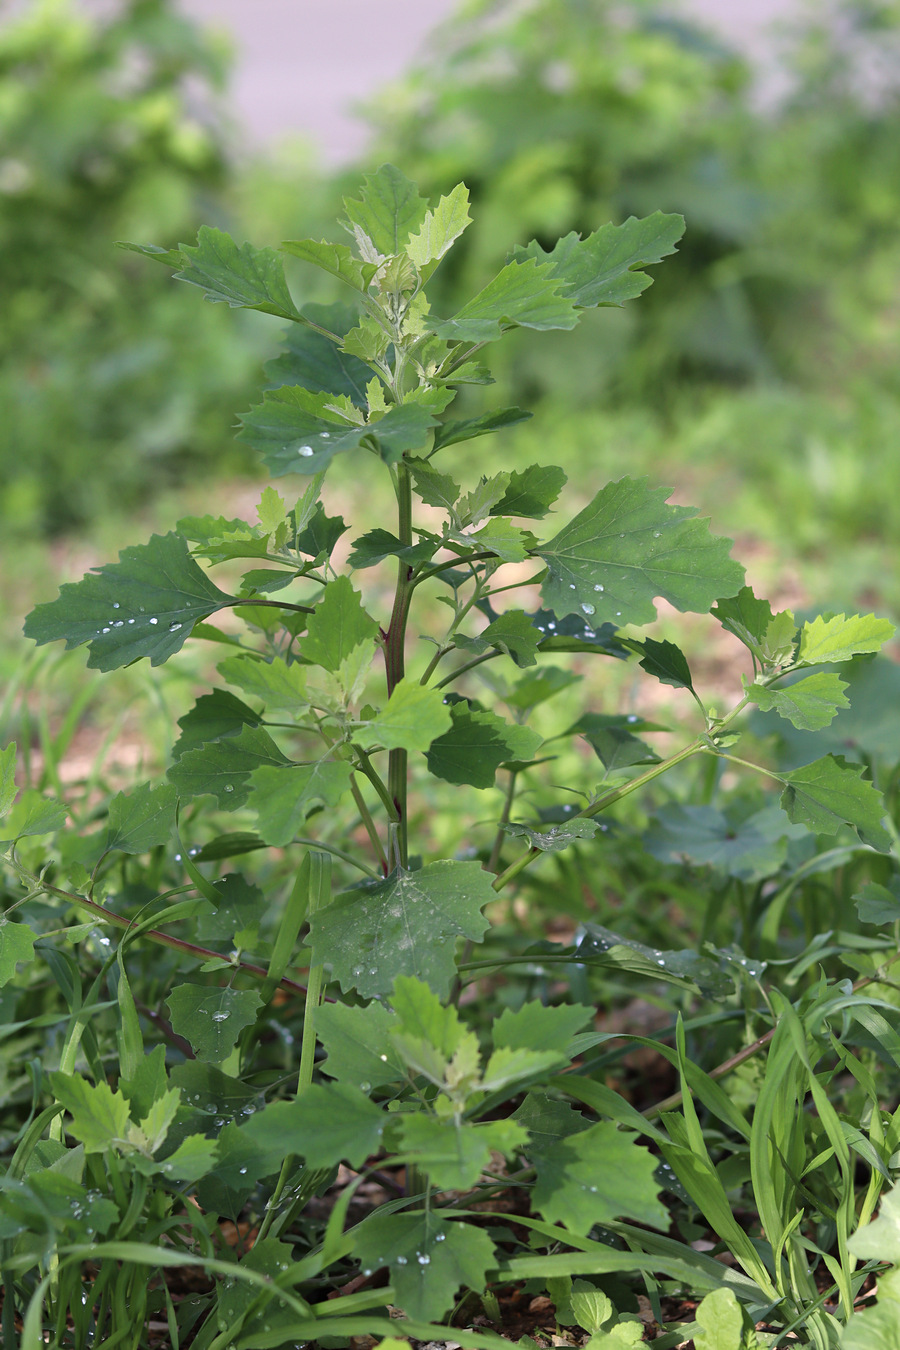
[394,644]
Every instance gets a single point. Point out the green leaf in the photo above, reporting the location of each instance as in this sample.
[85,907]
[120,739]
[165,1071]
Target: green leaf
[778,643]
[597,1175]
[879,1240]
[513,633]
[538,686]
[601,270]
[746,617]
[312,360]
[422,1016]
[212,1019]
[476,745]
[628,547]
[147,1084]
[616,747]
[876,1328]
[193,1158]
[33,814]
[537,1027]
[413,718]
[664,661]
[674,967]
[213,716]
[407,924]
[387,211]
[318,538]
[523,294]
[326,1124]
[240,905]
[723,1322]
[337,626]
[429,1259]
[453,1152]
[829,793]
[279,685]
[557,837]
[435,489]
[376,545]
[144,605]
[809,704]
[282,798]
[222,768]
[749,849]
[878,904]
[441,227]
[141,820]
[7,777]
[502,538]
[547,1121]
[840,639]
[16,944]
[333,258]
[99,1115]
[242,276]
[571,633]
[358,1044]
[531,493]
[451,433]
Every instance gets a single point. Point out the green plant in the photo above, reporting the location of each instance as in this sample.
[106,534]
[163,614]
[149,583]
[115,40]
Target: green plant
[315,753]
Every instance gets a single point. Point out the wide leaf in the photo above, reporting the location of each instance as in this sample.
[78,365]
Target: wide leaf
[809,704]
[597,1175]
[830,793]
[602,269]
[387,211]
[476,745]
[523,295]
[429,1259]
[312,360]
[283,797]
[840,639]
[212,1019]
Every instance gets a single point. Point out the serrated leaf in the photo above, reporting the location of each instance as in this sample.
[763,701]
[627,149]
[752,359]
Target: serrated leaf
[452,1152]
[337,626]
[211,1019]
[242,276]
[618,748]
[626,548]
[476,745]
[749,849]
[140,820]
[556,838]
[440,229]
[874,903]
[664,661]
[532,492]
[279,685]
[830,793]
[16,944]
[422,1016]
[376,545]
[840,639]
[435,489]
[358,1044]
[547,1121]
[222,768]
[413,717]
[513,633]
[213,716]
[429,1259]
[335,259]
[808,704]
[778,643]
[407,924]
[522,295]
[746,617]
[387,211]
[240,906]
[312,360]
[7,777]
[534,1026]
[33,814]
[507,1067]
[144,605]
[602,269]
[475,505]
[99,1115]
[320,534]
[503,539]
[597,1175]
[194,1157]
[326,1124]
[451,433]
[282,798]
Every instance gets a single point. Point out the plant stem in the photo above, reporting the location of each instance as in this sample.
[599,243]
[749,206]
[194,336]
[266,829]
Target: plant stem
[469,665]
[494,860]
[394,644]
[369,823]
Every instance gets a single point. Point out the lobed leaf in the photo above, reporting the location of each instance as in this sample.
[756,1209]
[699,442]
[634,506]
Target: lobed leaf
[512,633]
[429,1259]
[413,718]
[315,362]
[808,704]
[595,1176]
[335,259]
[242,276]
[16,944]
[477,743]
[452,433]
[387,211]
[602,269]
[337,626]
[557,837]
[222,768]
[283,797]
[532,492]
[840,639]
[523,295]
[140,820]
[358,1044]
[440,229]
[210,1019]
[830,793]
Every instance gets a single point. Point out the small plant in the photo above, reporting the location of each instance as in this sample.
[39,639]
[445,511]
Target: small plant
[337,688]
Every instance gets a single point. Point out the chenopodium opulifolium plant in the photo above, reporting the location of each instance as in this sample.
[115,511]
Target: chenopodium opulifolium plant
[311,743]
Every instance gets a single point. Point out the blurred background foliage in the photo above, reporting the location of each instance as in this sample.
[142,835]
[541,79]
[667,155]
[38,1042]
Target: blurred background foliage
[762,364]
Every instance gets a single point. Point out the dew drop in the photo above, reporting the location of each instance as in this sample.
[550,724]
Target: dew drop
[660,961]
[220,1017]
[178,857]
[306,451]
[365,1087]
[154,620]
[174,627]
[588,609]
[243,1171]
[656,534]
[115,604]
[440,1237]
[325,435]
[571,585]
[383,1058]
[618,614]
[119,623]
[423,1259]
[229,787]
[131,620]
[598,588]
[106,630]
[551,626]
[622,535]
[632,717]
[401,1260]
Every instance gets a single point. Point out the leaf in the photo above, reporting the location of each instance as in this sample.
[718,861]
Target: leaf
[558,837]
[242,276]
[279,685]
[7,777]
[193,1158]
[476,745]
[388,210]
[452,433]
[144,605]
[282,798]
[429,1260]
[746,617]
[413,718]
[532,492]
[595,1176]
[320,534]
[211,1020]
[617,748]
[16,944]
[874,903]
[213,716]
[537,1027]
[435,489]
[333,258]
[523,294]
[664,661]
[572,633]
[222,768]
[626,548]
[879,1240]
[829,793]
[723,1322]
[240,906]
[326,1124]
[674,967]
[501,538]
[840,639]
[875,1328]
[358,1044]
[547,1121]
[376,545]
[99,1115]
[749,849]
[512,633]
[809,704]
[337,625]
[440,229]
[601,270]
[33,814]
[312,360]
[140,820]
[407,924]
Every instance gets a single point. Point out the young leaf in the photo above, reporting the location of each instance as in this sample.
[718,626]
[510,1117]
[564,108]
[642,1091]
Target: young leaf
[601,270]
[723,1323]
[435,489]
[512,633]
[33,814]
[809,704]
[594,1176]
[537,1027]
[413,718]
[476,745]
[334,258]
[279,685]
[99,1115]
[407,924]
[523,294]
[778,643]
[530,493]
[441,227]
[879,1240]
[557,837]
[320,534]
[243,277]
[337,626]
[358,1044]
[212,1019]
[451,433]
[282,798]
[387,211]
[376,545]
[312,360]
[429,1260]
[746,617]
[830,793]
[213,716]
[664,661]
[223,768]
[144,605]
[7,777]
[840,639]
[628,547]
[452,1152]
[16,944]
[141,819]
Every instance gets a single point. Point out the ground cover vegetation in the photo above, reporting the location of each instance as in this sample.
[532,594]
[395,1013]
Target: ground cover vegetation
[322,1037]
